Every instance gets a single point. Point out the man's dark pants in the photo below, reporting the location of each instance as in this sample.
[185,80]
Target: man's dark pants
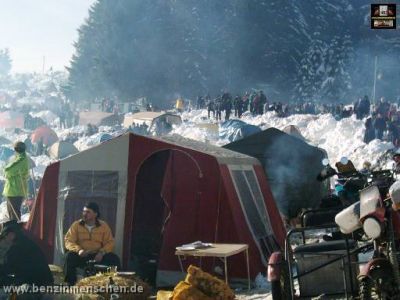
[73,261]
[14,207]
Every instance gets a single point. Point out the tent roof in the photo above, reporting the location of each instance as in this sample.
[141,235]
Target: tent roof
[149,117]
[256,144]
[293,131]
[291,166]
[95,117]
[61,150]
[221,154]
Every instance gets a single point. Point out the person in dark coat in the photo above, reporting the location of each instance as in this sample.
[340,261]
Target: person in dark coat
[23,262]
[227,105]
[238,105]
[210,108]
[365,106]
[261,103]
[380,126]
[218,108]
[369,134]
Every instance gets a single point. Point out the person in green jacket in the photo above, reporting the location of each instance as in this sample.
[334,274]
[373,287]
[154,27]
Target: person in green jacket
[16,185]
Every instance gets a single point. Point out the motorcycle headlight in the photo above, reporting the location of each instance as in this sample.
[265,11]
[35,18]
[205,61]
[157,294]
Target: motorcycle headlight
[372,228]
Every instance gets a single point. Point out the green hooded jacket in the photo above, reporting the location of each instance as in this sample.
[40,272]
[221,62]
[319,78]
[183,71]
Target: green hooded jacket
[17,174]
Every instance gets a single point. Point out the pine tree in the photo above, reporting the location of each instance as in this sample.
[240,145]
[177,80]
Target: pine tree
[310,74]
[158,48]
[337,59]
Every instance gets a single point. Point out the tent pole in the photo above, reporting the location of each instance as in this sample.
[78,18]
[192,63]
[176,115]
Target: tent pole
[34,185]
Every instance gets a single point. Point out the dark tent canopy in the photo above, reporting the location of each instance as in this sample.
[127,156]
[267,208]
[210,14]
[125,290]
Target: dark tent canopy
[291,166]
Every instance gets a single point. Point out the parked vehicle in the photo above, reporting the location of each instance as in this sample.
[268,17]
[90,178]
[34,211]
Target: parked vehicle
[332,266]
[379,219]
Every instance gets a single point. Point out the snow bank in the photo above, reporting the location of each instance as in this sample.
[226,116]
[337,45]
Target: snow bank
[338,138]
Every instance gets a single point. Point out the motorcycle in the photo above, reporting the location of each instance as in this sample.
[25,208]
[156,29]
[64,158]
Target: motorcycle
[378,217]
[349,181]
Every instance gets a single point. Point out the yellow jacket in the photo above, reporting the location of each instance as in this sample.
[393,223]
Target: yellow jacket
[179,103]
[100,238]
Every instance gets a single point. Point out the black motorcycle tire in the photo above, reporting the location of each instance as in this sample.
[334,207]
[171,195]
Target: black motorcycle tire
[379,285]
[280,289]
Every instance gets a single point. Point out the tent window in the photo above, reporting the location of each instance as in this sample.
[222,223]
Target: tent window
[258,198]
[250,207]
[252,202]
[84,186]
[92,183]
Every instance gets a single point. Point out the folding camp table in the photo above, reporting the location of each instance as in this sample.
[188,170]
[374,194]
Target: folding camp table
[222,251]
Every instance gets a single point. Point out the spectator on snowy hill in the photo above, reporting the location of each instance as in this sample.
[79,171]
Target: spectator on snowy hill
[369,134]
[379,126]
[394,130]
[383,108]
[218,108]
[251,102]
[210,107]
[227,104]
[179,105]
[238,106]
[357,109]
[246,101]
[262,101]
[200,102]
[365,106]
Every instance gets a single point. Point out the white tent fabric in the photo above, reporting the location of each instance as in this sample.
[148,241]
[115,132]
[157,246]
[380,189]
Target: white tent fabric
[61,150]
[117,161]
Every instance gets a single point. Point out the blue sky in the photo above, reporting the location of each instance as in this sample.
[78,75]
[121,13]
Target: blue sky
[33,29]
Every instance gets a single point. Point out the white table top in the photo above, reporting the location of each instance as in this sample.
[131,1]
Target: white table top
[216,250]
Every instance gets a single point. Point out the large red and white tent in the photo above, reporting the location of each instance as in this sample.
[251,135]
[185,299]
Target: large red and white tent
[157,194]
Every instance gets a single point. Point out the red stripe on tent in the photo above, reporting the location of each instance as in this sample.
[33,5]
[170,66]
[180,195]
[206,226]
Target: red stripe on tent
[129,204]
[272,209]
[242,231]
[43,218]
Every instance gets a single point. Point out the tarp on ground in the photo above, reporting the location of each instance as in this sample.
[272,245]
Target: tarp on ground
[291,166]
[234,130]
[99,118]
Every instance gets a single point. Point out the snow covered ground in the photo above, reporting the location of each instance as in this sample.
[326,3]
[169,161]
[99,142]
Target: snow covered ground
[338,138]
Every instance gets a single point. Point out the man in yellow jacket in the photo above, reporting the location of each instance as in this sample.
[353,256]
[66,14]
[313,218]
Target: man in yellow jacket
[180,104]
[16,185]
[88,239]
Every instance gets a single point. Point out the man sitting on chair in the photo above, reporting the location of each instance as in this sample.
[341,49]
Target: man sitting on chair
[88,239]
